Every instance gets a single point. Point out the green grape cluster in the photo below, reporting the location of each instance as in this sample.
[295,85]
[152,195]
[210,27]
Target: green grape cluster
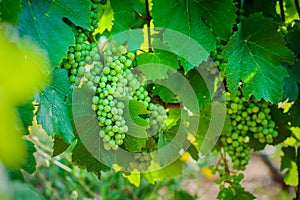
[79,55]
[141,161]
[158,115]
[226,179]
[94,15]
[84,51]
[114,81]
[218,58]
[248,119]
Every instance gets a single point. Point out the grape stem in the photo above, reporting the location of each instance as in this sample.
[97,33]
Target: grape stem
[297,7]
[281,10]
[298,187]
[148,18]
[277,176]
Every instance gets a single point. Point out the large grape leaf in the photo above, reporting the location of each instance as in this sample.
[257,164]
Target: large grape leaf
[255,53]
[10,10]
[54,110]
[43,21]
[183,16]
[220,14]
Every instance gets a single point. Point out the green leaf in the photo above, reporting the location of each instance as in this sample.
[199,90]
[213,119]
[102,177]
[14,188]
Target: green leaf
[254,58]
[24,191]
[174,115]
[241,194]
[171,142]
[294,112]
[30,164]
[183,16]
[42,20]
[220,14]
[181,194]
[291,90]
[293,37]
[105,18]
[136,125]
[200,87]
[164,93]
[26,115]
[83,158]
[54,110]
[268,8]
[289,161]
[282,124]
[134,144]
[134,178]
[125,16]
[59,146]
[193,151]
[136,136]
[174,169]
[10,11]
[225,194]
[157,64]
[289,156]
[291,176]
[235,194]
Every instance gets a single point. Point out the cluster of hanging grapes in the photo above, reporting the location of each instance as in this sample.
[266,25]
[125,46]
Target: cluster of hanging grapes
[248,119]
[107,71]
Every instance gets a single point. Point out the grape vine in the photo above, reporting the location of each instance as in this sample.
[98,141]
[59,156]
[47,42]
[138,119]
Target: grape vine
[246,49]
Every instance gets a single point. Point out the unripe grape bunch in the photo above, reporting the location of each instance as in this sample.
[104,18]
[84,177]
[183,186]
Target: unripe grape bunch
[249,119]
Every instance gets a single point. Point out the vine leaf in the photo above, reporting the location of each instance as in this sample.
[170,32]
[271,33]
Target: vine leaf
[164,93]
[268,8]
[54,110]
[255,54]
[42,20]
[170,143]
[237,194]
[160,60]
[220,15]
[125,15]
[10,10]
[83,158]
[174,169]
[183,16]
[59,146]
[136,136]
[288,161]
